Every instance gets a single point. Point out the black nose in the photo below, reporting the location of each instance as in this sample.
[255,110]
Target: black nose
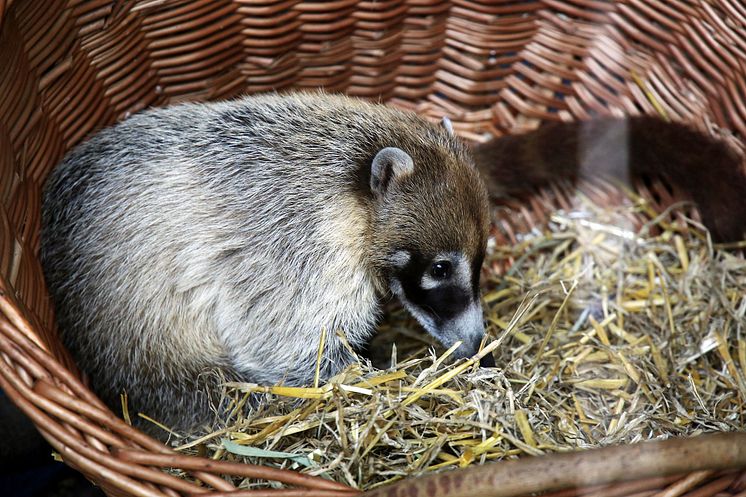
[487,361]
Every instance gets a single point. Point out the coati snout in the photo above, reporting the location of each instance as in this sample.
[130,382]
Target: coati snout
[439,292]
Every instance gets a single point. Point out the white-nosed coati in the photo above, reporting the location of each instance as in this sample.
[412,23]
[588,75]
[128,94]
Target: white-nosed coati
[226,236]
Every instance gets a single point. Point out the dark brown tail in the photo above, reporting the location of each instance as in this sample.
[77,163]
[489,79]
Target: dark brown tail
[704,169]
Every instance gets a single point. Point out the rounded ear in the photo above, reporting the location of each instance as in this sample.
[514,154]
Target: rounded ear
[389,164]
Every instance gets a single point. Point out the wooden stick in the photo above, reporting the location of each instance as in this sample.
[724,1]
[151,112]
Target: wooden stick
[579,469]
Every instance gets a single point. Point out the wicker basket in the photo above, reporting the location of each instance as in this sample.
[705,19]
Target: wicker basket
[493,66]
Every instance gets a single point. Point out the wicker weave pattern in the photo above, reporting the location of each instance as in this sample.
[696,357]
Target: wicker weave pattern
[71,66]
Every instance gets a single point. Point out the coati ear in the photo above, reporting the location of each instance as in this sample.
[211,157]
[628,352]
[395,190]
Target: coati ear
[389,164]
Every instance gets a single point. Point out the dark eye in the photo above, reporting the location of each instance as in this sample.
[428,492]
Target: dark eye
[441,270]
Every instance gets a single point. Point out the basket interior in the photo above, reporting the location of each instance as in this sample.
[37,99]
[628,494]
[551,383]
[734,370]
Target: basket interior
[73,66]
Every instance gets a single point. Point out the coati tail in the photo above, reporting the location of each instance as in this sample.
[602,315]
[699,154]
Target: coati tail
[702,168]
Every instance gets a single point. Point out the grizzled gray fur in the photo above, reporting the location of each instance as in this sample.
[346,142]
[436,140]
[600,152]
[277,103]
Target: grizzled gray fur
[217,240]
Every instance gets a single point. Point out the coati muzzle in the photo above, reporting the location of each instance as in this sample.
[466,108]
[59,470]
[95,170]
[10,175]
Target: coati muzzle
[441,294]
[467,327]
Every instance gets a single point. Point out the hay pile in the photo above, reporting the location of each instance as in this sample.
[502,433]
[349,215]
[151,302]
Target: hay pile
[601,334]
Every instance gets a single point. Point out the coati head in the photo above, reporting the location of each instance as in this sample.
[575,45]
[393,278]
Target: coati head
[430,235]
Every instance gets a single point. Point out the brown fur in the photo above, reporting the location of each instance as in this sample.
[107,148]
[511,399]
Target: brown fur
[702,168]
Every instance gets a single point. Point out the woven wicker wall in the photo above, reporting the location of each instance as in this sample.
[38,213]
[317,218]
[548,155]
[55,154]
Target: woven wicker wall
[68,67]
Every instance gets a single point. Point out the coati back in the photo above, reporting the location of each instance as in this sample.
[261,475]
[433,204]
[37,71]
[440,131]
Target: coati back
[704,169]
[217,240]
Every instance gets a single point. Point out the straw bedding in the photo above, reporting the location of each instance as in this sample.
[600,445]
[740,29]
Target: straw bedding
[604,331]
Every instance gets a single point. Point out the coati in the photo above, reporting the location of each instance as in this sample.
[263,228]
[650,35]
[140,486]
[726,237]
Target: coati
[227,236]
[203,241]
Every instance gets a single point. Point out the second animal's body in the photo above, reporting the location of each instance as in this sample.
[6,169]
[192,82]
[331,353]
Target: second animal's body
[218,241]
